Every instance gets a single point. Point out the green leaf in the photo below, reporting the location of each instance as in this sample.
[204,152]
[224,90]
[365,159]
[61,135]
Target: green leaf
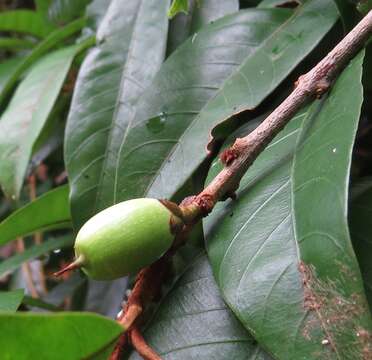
[12,263]
[55,38]
[42,6]
[26,115]
[200,14]
[38,303]
[7,68]
[192,322]
[13,43]
[283,258]
[228,67]
[177,7]
[130,50]
[10,300]
[360,229]
[50,211]
[56,336]
[25,21]
[63,11]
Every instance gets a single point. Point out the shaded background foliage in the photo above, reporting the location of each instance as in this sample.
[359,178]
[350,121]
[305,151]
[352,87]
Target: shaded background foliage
[103,101]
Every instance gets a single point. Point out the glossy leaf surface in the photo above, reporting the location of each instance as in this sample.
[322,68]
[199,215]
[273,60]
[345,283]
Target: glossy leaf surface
[26,115]
[194,323]
[229,66]
[48,212]
[10,300]
[114,74]
[79,335]
[200,14]
[283,258]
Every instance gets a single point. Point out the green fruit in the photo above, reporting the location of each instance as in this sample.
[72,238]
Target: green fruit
[124,238]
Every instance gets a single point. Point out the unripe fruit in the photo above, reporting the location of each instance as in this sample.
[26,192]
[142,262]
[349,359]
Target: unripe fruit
[124,238]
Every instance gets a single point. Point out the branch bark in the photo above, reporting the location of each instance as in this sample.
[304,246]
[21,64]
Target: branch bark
[240,156]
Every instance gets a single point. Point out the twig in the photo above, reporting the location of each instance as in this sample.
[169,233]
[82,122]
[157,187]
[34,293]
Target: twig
[141,346]
[240,156]
[26,269]
[38,238]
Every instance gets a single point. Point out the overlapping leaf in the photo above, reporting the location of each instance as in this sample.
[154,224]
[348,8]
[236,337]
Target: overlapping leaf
[12,263]
[194,323]
[229,66]
[25,21]
[26,115]
[51,41]
[48,212]
[200,14]
[129,52]
[69,335]
[361,232]
[283,258]
[10,300]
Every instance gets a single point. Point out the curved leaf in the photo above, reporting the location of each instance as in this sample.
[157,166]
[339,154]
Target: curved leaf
[129,52]
[44,46]
[361,233]
[283,258]
[25,21]
[48,212]
[7,68]
[12,263]
[193,322]
[10,300]
[229,66]
[57,336]
[26,115]
[200,14]
[13,43]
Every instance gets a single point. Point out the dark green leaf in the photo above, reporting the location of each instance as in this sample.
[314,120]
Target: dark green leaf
[277,3]
[25,21]
[193,322]
[361,232]
[283,258]
[57,336]
[48,212]
[13,43]
[7,68]
[12,263]
[42,6]
[200,14]
[228,67]
[43,47]
[129,52]
[10,300]
[26,115]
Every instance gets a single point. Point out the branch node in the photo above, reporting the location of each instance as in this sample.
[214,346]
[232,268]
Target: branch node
[229,155]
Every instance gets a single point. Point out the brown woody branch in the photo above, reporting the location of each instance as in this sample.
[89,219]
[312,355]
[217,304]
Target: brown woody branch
[237,159]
